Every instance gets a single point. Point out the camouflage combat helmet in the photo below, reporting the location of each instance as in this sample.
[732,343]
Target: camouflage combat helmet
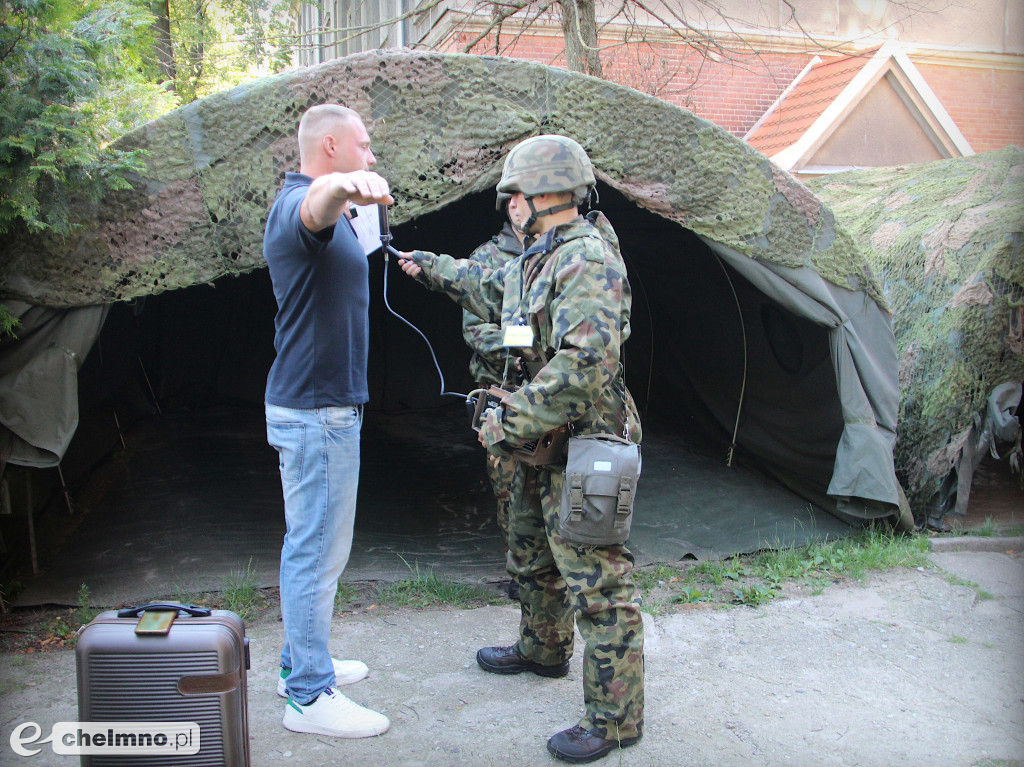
[544,164]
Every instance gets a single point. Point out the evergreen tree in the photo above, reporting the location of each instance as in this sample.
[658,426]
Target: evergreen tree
[71,80]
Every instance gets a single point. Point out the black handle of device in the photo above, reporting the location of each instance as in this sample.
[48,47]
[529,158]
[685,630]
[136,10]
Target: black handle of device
[385,231]
[385,226]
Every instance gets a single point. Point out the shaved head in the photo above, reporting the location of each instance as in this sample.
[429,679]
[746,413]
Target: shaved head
[321,120]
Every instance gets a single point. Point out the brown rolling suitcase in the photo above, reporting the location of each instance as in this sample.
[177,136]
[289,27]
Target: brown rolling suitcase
[167,662]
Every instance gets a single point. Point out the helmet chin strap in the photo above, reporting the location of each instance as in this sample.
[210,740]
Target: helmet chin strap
[535,214]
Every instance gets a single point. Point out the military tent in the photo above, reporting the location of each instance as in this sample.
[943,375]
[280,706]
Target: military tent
[759,331]
[945,240]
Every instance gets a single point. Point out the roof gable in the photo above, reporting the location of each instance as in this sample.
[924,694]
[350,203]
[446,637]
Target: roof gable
[878,87]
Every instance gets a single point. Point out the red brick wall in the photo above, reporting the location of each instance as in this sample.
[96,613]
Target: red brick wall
[731,96]
[986,104]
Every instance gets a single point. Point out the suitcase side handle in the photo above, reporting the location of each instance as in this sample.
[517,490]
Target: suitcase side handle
[195,612]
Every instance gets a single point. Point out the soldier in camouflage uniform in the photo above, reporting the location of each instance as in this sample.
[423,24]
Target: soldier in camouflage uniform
[569,289]
[488,364]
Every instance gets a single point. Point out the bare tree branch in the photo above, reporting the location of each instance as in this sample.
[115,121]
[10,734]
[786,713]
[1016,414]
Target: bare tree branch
[706,29]
[497,19]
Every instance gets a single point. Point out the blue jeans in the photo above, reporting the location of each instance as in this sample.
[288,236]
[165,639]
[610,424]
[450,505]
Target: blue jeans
[319,461]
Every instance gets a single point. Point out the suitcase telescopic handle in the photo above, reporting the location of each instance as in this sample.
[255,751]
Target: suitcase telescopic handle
[134,612]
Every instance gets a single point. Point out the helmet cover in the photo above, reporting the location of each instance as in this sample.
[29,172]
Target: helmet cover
[547,164]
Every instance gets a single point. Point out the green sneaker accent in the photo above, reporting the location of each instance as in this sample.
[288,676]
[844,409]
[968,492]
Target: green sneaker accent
[294,705]
[345,672]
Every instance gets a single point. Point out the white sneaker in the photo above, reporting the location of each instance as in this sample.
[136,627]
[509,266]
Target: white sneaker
[334,714]
[345,672]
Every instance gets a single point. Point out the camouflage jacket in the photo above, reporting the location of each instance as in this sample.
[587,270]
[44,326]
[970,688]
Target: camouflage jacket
[570,287]
[487,365]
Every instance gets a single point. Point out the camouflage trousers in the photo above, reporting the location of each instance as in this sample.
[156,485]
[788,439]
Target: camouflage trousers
[500,472]
[560,582]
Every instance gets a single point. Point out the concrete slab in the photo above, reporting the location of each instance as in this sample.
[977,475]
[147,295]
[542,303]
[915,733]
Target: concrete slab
[996,575]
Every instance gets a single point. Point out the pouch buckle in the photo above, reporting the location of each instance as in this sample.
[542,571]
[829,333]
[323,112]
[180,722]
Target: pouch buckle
[625,503]
[575,497]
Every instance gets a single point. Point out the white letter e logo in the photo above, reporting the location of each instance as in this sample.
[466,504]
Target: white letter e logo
[17,740]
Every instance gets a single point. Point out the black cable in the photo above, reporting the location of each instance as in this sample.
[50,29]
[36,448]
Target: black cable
[385,241]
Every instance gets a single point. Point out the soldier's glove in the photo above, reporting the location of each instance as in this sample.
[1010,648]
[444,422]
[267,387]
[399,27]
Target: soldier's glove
[493,433]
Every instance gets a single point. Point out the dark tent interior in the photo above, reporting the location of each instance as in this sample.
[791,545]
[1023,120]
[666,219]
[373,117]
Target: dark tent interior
[196,494]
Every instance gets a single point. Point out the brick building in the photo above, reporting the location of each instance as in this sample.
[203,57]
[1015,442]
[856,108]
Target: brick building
[958,71]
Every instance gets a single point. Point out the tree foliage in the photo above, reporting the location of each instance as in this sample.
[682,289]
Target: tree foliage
[66,91]
[73,77]
[212,45]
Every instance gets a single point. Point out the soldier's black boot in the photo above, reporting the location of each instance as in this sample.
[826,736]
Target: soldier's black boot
[507,660]
[579,745]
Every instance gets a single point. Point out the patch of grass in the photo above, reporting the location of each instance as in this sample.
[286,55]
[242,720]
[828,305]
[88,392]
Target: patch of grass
[691,595]
[710,570]
[86,612]
[756,579]
[997,763]
[753,594]
[61,632]
[62,629]
[429,589]
[242,595]
[347,593]
[956,580]
[853,557]
[957,639]
[653,606]
[647,579]
[987,530]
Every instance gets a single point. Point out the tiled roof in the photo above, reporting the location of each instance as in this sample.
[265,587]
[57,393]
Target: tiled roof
[804,104]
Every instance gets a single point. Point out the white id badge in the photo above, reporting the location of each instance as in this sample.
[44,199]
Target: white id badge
[517,337]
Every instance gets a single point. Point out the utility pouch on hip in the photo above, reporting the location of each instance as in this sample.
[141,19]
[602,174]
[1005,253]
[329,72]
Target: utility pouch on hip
[599,486]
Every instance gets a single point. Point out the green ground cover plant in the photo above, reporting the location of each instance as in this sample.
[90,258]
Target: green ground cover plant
[758,578]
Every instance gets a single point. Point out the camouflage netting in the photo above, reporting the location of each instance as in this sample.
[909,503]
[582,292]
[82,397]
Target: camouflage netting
[793,362]
[441,125]
[945,238]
